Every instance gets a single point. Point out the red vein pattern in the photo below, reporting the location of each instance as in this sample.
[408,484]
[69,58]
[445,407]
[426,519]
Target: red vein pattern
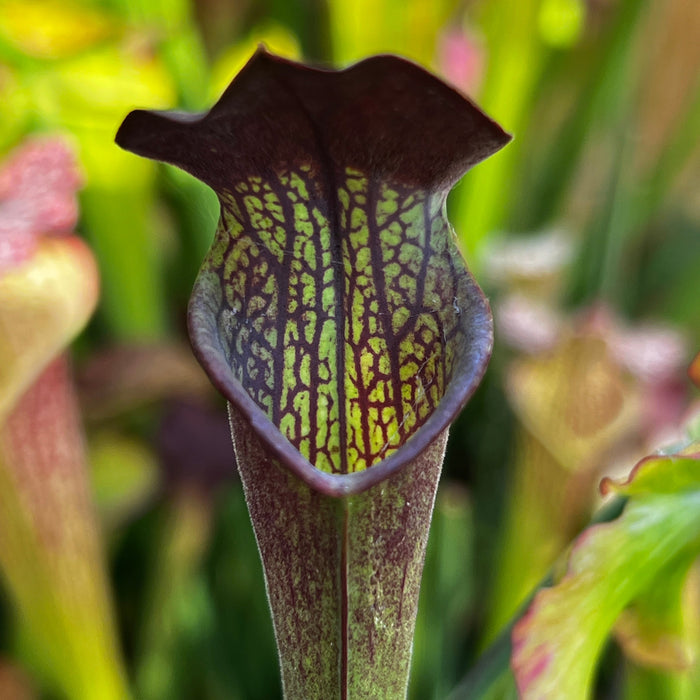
[341,333]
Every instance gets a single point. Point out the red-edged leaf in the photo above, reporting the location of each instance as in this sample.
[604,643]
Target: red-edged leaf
[557,643]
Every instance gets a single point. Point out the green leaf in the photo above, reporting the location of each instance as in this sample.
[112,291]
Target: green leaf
[336,315]
[556,644]
[654,631]
[492,677]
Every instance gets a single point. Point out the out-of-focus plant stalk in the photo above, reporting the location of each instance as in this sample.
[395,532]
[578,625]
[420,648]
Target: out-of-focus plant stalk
[50,548]
[447,595]
[599,100]
[532,535]
[513,66]
[573,403]
[184,537]
[408,27]
[194,448]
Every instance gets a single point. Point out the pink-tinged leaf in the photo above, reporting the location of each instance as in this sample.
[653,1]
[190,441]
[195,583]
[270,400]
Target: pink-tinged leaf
[37,198]
[654,630]
[337,316]
[558,641]
[48,277]
[461,59]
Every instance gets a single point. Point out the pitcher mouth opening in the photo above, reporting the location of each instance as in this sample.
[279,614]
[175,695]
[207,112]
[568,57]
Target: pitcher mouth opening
[466,377]
[334,310]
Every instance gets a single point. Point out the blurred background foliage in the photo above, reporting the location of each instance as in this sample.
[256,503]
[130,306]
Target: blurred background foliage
[585,233]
